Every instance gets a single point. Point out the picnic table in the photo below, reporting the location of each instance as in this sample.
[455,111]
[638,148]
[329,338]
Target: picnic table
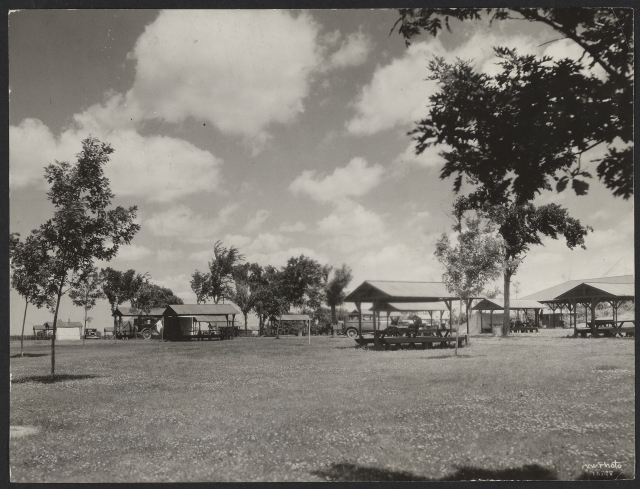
[427,340]
[610,328]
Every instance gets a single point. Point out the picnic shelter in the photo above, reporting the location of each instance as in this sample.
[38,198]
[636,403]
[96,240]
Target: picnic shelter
[379,292]
[497,304]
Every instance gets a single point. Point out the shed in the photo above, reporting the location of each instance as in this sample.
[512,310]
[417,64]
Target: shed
[497,304]
[40,332]
[184,321]
[70,330]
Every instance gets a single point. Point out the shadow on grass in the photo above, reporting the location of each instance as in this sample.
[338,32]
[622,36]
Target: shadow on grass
[353,473]
[46,379]
[17,355]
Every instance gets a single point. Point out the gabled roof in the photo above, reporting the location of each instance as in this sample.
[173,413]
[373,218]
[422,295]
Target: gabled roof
[208,319]
[63,324]
[411,306]
[550,294]
[497,303]
[394,291]
[201,310]
[39,327]
[132,311]
[592,289]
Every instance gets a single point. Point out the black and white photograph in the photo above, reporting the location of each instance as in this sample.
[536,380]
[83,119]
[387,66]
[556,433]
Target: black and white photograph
[315,245]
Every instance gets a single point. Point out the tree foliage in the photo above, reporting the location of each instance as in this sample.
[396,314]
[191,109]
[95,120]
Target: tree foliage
[523,226]
[474,261]
[303,280]
[216,284]
[82,228]
[30,274]
[120,287]
[152,296]
[248,281]
[86,289]
[334,289]
[545,114]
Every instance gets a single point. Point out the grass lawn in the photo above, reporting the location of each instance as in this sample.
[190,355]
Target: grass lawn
[533,406]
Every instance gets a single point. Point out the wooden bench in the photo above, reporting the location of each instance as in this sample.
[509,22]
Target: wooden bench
[524,329]
[628,331]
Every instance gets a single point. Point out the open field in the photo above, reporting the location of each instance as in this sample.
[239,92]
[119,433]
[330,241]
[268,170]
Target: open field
[534,406]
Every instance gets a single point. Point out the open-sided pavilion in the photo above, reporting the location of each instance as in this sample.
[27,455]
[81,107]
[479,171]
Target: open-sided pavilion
[588,293]
[379,292]
[497,304]
[397,308]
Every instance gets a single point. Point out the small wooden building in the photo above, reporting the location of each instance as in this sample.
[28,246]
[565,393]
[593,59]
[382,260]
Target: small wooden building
[186,321]
[70,330]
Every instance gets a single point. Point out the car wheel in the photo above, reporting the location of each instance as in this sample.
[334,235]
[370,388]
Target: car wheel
[352,333]
[146,334]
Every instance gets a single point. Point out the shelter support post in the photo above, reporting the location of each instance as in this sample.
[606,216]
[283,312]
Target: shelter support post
[375,329]
[575,322]
[358,304]
[448,304]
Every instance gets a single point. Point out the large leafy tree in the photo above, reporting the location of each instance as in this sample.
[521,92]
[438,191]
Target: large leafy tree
[334,289]
[30,274]
[557,111]
[272,299]
[523,226]
[82,227]
[120,287]
[216,284]
[472,263]
[303,280]
[86,289]
[152,296]
[247,278]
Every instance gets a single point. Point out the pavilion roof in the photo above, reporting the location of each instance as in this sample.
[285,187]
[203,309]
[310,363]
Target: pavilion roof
[395,291]
[133,311]
[201,309]
[497,303]
[588,290]
[411,306]
[550,294]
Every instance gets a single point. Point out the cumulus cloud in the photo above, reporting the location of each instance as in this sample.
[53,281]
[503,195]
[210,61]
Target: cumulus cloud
[166,256]
[353,180]
[158,168]
[132,252]
[299,226]
[429,158]
[257,220]
[353,51]
[398,93]
[239,70]
[264,249]
[180,222]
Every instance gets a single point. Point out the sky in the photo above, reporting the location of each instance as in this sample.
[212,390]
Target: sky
[279,132]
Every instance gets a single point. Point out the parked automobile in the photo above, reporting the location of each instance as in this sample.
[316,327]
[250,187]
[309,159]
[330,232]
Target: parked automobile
[351,325]
[92,334]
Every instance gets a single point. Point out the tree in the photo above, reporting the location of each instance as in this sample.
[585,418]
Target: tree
[272,299]
[476,260]
[559,93]
[217,283]
[30,277]
[334,289]
[152,296]
[86,289]
[120,287]
[303,279]
[247,278]
[200,286]
[82,229]
[522,226]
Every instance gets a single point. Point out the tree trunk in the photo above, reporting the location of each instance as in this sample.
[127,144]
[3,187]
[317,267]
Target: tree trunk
[245,324]
[84,331]
[24,318]
[506,323]
[278,327]
[458,326]
[55,328]
[334,319]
